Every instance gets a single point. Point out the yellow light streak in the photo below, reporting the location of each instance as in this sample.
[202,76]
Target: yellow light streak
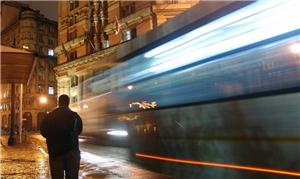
[222,165]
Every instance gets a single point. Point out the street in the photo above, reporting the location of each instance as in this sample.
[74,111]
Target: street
[111,162]
[30,160]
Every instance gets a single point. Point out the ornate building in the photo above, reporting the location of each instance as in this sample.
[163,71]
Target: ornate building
[91,31]
[33,32]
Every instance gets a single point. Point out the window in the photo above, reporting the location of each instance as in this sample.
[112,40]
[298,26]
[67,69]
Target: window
[72,35]
[14,42]
[31,101]
[74,81]
[76,3]
[50,52]
[40,89]
[172,1]
[106,43]
[73,55]
[72,20]
[133,33]
[51,90]
[129,34]
[127,9]
[28,91]
[30,35]
[41,75]
[73,4]
[51,76]
[41,50]
[50,42]
[74,99]
[5,95]
[126,35]
[40,37]
[26,47]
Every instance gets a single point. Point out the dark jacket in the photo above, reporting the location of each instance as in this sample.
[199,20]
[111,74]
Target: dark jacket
[61,128]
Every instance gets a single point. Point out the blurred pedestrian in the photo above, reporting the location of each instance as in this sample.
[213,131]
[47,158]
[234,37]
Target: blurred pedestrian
[61,128]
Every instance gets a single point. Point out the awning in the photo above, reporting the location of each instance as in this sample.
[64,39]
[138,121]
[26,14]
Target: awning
[16,65]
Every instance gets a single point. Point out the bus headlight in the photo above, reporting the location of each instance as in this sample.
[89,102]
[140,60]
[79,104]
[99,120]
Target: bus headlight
[117,133]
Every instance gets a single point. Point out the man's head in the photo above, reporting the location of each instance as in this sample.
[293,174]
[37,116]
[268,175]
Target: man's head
[63,100]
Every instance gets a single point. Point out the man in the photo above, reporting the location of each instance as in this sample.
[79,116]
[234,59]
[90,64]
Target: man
[61,128]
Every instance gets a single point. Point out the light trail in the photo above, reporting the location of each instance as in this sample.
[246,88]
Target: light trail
[221,165]
[43,151]
[95,97]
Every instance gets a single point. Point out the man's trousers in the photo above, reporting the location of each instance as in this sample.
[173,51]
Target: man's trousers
[68,163]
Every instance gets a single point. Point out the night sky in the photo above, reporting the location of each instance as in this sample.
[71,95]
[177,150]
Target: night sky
[47,8]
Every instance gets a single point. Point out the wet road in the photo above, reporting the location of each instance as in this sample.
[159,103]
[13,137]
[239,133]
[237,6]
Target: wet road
[111,162]
[30,160]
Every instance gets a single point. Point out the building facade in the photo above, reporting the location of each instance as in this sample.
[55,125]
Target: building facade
[37,34]
[91,31]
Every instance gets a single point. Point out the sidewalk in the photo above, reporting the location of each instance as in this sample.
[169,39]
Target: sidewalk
[22,161]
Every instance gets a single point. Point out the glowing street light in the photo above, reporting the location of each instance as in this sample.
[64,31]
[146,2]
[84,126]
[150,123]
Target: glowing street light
[43,100]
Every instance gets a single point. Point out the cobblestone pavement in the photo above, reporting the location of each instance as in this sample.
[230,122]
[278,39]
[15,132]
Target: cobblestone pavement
[22,161]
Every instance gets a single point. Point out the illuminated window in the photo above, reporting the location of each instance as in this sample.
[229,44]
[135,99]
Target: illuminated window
[106,43]
[129,34]
[126,35]
[51,90]
[25,46]
[50,52]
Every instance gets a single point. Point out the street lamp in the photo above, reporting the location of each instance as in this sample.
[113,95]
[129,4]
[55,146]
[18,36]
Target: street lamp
[44,104]
[44,101]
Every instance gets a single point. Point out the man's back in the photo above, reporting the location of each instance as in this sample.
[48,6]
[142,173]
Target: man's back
[61,128]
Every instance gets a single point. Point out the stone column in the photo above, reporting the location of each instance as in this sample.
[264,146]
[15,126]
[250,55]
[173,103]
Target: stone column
[80,87]
[11,140]
[97,34]
[68,87]
[103,19]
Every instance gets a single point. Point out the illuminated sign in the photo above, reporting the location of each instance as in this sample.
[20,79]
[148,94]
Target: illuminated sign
[144,105]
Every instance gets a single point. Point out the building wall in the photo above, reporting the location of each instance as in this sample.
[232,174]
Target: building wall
[98,23]
[35,33]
